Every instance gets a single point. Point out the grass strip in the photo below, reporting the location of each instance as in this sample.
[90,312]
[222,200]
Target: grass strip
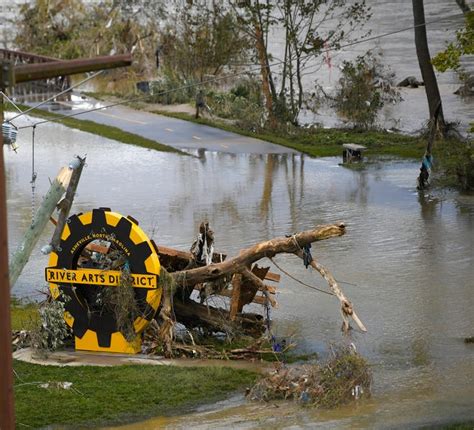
[112,395]
[103,130]
[323,142]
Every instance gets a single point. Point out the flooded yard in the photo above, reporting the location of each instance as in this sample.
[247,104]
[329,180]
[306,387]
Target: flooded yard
[409,256]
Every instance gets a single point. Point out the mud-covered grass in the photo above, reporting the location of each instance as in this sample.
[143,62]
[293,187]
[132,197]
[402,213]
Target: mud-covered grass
[112,395]
[346,376]
[107,131]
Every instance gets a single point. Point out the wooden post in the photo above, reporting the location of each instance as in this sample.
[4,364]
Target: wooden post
[235,300]
[67,202]
[47,207]
[7,413]
[24,74]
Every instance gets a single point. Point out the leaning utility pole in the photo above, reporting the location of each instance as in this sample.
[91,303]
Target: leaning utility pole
[9,75]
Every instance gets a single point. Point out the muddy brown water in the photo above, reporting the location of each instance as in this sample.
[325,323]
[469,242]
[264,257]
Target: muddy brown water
[411,257]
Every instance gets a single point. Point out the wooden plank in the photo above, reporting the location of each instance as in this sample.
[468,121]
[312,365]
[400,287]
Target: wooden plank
[270,276]
[262,300]
[171,252]
[354,147]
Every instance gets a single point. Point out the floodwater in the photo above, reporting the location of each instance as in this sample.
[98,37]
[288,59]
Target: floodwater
[411,258]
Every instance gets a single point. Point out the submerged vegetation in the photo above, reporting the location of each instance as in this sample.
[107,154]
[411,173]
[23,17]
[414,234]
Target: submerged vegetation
[345,376]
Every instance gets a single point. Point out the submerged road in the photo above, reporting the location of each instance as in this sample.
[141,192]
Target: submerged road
[173,132]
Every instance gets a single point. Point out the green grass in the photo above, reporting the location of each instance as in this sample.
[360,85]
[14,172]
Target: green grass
[23,315]
[109,395]
[322,142]
[107,131]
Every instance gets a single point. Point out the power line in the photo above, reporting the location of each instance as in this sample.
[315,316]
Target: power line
[219,78]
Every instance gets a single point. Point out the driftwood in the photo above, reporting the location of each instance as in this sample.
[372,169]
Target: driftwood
[241,281]
[250,255]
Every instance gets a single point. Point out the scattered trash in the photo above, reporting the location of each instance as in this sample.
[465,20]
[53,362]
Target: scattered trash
[64,385]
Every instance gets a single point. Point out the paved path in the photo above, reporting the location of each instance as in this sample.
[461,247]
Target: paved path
[173,132]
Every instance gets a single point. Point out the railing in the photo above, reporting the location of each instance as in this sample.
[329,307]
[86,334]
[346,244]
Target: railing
[35,90]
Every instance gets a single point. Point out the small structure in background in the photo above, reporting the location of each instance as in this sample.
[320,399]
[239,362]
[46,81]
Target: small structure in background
[352,152]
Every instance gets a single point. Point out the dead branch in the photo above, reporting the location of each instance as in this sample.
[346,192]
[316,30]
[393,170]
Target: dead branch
[347,309]
[261,250]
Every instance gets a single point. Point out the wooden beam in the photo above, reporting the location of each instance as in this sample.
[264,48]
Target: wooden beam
[37,71]
[42,216]
[270,276]
[235,298]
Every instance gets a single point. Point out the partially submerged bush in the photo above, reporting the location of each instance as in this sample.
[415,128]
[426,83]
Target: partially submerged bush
[454,159]
[344,377]
[364,88]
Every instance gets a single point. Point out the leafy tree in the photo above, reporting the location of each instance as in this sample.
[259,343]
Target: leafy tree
[202,40]
[310,29]
[450,58]
[364,88]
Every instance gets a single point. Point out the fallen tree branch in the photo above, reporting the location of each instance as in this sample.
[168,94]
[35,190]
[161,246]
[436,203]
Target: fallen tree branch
[347,309]
[246,257]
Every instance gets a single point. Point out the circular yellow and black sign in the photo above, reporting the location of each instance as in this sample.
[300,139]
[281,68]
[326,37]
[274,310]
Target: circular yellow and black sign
[94,248]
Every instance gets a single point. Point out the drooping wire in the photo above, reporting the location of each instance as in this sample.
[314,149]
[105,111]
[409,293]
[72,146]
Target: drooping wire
[297,280]
[254,69]
[67,90]
[33,173]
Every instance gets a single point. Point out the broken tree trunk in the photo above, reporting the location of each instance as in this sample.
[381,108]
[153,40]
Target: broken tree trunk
[66,204]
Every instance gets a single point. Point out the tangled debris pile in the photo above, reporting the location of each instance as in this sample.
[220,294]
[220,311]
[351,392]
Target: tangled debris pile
[344,377]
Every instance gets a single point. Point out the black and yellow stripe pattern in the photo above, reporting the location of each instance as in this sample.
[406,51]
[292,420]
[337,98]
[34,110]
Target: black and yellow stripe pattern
[97,331]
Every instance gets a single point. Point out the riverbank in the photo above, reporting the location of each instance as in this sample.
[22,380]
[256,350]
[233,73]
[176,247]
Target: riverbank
[114,394]
[454,158]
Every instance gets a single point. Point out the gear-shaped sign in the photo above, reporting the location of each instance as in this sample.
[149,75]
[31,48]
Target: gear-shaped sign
[79,284]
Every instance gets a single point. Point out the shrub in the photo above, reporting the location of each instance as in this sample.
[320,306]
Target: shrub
[364,88]
[172,89]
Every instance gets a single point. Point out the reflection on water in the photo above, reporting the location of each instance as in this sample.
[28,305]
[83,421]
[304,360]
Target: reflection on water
[410,255]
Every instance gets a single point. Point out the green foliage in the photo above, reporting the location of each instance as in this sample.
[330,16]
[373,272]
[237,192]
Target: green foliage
[242,104]
[449,59]
[75,28]
[52,331]
[454,164]
[171,88]
[24,316]
[307,35]
[201,40]
[364,88]
[107,395]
